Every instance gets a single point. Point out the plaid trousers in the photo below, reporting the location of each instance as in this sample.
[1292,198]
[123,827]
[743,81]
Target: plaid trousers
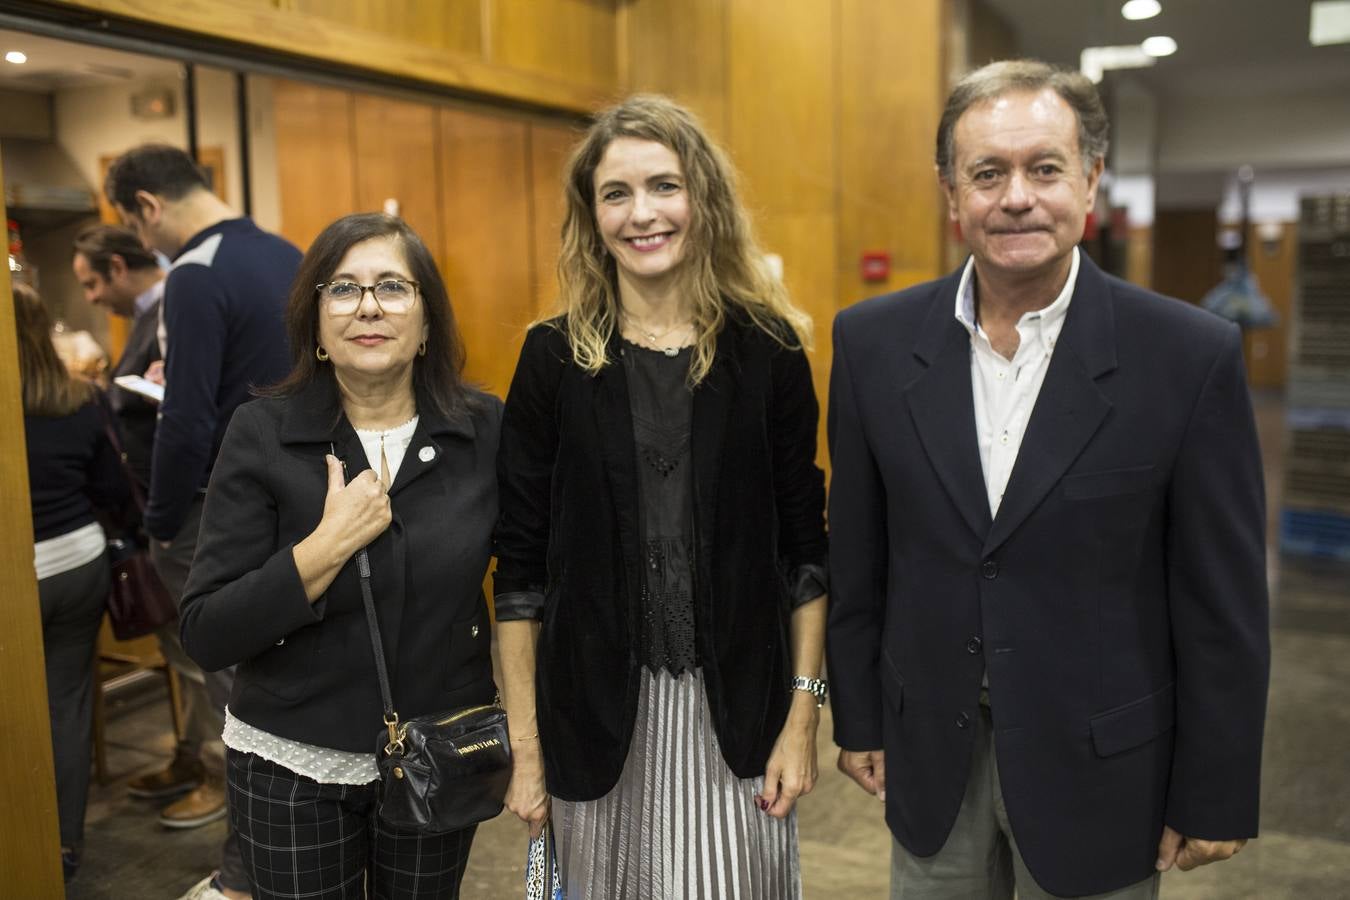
[303,839]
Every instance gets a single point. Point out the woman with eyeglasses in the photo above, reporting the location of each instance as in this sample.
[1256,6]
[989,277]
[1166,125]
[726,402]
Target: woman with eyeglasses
[660,587]
[374,441]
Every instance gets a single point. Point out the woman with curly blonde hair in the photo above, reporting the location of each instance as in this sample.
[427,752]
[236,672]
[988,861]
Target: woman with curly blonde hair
[661,548]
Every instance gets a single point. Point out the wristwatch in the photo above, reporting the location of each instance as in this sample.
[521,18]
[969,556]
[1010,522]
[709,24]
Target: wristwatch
[816,687]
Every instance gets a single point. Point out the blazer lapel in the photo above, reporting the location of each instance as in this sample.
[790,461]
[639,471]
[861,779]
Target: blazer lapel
[425,450]
[618,451]
[708,427]
[942,406]
[1070,407]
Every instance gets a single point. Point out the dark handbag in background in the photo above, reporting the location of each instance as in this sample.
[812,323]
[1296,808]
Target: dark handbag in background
[138,602]
[441,772]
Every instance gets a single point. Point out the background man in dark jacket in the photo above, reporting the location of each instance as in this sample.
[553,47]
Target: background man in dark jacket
[224,300]
[1048,638]
[121,275]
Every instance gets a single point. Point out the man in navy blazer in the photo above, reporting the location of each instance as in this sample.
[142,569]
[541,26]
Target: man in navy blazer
[1048,636]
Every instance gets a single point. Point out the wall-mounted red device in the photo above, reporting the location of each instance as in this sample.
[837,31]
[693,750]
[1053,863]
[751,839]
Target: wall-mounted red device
[876,265]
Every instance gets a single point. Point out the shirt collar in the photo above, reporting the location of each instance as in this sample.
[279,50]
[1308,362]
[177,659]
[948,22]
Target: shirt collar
[149,297]
[1045,323]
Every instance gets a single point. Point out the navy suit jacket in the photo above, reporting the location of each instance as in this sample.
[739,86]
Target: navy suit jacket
[1118,599]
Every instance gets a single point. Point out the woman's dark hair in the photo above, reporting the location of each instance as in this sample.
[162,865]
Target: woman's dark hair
[438,375]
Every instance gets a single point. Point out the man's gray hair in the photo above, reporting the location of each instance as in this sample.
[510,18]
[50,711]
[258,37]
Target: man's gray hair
[1015,75]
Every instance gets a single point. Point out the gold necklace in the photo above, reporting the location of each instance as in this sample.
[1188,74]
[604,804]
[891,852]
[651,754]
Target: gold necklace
[654,338]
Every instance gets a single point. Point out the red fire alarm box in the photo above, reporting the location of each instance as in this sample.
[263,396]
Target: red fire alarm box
[876,265]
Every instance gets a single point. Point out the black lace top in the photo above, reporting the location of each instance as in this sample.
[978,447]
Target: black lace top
[662,406]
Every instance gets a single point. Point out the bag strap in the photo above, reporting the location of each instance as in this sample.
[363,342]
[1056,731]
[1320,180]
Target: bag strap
[377,649]
[395,744]
[114,437]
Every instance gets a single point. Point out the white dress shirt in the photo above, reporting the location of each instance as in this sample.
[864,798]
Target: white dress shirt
[148,298]
[1006,390]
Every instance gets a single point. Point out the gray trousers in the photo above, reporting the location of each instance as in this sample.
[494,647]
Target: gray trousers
[72,611]
[205,710]
[980,858]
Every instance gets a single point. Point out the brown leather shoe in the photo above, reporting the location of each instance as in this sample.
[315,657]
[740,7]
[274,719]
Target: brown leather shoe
[178,777]
[204,805]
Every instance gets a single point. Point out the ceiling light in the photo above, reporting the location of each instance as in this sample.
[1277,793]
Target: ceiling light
[1134,10]
[1159,45]
[1330,23]
[17,57]
[1095,61]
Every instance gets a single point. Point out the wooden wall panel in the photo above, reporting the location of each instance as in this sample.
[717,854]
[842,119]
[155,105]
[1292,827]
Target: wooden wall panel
[888,108]
[679,50]
[1274,264]
[1139,256]
[549,148]
[574,40]
[1186,257]
[786,148]
[485,198]
[454,25]
[316,165]
[780,103]
[781,106]
[30,849]
[396,153]
[556,53]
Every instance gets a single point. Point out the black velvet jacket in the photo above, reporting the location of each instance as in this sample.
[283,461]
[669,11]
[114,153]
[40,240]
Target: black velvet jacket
[306,671]
[567,476]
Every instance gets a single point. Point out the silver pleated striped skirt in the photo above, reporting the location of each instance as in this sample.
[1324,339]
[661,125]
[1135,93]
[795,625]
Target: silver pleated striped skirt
[679,825]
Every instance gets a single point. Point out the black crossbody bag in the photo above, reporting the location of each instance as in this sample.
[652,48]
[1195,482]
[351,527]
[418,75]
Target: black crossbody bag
[440,772]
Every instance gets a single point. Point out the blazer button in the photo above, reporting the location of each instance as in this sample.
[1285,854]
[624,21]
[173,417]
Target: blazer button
[973,645]
[280,642]
[962,720]
[989,569]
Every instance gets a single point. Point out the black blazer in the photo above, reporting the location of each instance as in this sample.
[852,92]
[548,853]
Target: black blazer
[569,526]
[306,672]
[1117,601]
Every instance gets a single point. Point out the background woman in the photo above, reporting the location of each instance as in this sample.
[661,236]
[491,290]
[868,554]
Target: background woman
[376,394]
[73,468]
[662,533]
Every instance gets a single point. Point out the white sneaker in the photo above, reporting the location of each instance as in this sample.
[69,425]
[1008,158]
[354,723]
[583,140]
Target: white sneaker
[204,890]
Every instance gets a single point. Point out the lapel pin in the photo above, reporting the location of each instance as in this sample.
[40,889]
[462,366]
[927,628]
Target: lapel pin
[426,454]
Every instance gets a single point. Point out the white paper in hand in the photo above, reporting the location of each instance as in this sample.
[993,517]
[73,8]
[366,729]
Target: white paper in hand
[138,385]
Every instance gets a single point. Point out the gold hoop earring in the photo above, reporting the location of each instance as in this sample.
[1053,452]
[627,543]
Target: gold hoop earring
[320,354]
[422,349]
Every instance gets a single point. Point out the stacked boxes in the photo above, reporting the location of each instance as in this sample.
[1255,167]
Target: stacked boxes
[1315,520]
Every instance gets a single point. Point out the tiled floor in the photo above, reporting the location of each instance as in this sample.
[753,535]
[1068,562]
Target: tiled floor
[1304,850]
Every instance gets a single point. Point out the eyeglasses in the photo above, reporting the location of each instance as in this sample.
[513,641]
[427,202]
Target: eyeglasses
[393,295]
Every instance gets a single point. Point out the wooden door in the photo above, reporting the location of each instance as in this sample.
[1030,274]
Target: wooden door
[396,163]
[30,846]
[487,264]
[316,160]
